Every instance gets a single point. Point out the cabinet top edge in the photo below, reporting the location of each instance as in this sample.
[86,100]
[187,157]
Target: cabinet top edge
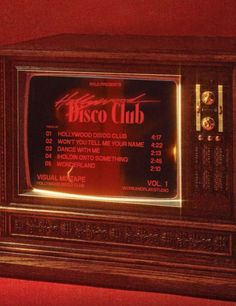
[125,46]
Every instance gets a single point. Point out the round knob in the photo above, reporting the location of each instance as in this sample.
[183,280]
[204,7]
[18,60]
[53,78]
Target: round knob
[208,97]
[208,123]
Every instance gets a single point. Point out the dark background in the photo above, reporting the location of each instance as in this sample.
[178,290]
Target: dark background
[27,19]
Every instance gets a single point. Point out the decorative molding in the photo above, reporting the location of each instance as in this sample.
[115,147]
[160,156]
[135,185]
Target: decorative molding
[2,224]
[160,237]
[2,131]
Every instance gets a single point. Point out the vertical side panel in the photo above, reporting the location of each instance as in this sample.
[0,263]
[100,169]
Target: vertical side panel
[234,140]
[2,131]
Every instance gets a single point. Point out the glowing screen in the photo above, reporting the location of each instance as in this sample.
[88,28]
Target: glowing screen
[103,136]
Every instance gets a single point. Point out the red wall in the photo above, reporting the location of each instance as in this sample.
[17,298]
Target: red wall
[26,19]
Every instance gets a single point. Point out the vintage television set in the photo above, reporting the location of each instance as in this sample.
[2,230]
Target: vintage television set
[117,162]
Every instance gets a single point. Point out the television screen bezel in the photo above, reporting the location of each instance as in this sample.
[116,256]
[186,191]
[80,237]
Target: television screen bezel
[24,76]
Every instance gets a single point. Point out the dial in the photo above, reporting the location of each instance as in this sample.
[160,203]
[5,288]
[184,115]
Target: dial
[208,97]
[208,123]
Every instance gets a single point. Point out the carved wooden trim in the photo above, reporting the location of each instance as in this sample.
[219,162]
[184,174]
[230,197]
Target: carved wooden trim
[159,237]
[2,133]
[2,224]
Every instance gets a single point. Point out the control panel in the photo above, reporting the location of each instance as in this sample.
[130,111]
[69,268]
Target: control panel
[211,153]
